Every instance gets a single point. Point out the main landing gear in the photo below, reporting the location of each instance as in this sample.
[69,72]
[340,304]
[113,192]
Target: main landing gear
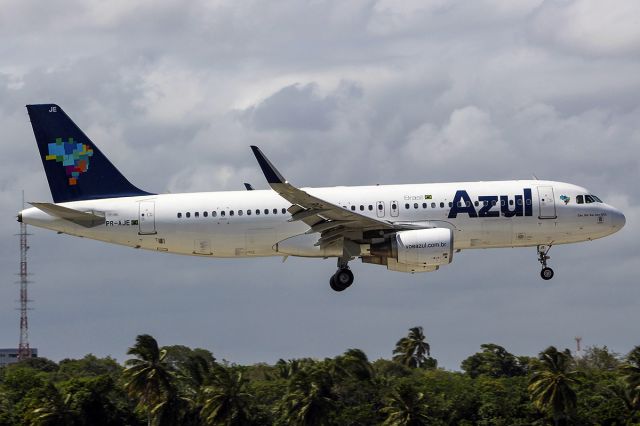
[546,273]
[343,277]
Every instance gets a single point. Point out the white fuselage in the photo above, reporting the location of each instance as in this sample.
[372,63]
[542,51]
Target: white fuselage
[251,223]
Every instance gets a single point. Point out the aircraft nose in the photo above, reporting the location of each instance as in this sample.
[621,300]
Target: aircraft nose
[618,220]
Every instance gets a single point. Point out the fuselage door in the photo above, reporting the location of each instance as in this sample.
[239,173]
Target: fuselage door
[147,218]
[380,208]
[546,202]
[395,209]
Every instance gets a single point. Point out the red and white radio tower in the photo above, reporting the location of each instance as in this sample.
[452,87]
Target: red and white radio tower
[24,351]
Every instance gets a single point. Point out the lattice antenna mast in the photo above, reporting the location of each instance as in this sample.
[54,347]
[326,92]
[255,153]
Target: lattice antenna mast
[578,340]
[24,351]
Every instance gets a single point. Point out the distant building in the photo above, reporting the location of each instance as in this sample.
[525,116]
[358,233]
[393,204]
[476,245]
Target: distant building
[10,356]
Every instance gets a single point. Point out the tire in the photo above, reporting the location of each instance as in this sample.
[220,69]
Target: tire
[344,277]
[546,273]
[334,285]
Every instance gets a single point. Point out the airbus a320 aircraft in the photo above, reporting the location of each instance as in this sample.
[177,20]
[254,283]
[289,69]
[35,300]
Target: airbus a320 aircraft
[407,228]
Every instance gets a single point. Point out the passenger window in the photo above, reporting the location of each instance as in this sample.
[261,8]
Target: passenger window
[284,211]
[361,208]
[450,204]
[580,199]
[231,213]
[424,205]
[214,214]
[394,206]
[406,206]
[370,207]
[476,203]
[353,208]
[528,202]
[275,211]
[441,205]
[266,211]
[179,215]
[510,202]
[222,213]
[188,214]
[380,207]
[257,212]
[494,202]
[239,212]
[197,214]
[485,203]
[248,212]
[433,205]
[415,205]
[459,203]
[519,201]
[467,203]
[205,214]
[502,202]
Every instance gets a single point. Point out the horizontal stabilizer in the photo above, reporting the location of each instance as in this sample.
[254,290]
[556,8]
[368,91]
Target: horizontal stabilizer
[86,219]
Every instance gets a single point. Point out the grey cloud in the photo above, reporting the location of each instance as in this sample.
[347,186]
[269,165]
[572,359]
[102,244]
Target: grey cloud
[589,27]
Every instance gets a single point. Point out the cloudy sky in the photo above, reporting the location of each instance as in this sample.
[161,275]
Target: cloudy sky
[336,93]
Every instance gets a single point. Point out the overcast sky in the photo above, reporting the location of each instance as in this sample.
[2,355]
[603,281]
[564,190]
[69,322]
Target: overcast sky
[335,93]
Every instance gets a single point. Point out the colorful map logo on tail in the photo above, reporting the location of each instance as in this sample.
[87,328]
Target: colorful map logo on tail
[74,157]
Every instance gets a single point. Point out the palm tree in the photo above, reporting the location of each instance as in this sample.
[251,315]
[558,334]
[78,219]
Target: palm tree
[226,399]
[353,363]
[310,399]
[53,408]
[631,372]
[405,406]
[150,380]
[411,350]
[551,385]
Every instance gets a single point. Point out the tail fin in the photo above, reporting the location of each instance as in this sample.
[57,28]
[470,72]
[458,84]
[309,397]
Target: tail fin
[75,167]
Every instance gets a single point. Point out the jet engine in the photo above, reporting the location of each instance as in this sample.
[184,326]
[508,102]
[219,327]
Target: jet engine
[423,248]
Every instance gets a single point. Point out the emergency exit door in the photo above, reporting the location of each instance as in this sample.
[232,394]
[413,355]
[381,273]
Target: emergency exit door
[147,218]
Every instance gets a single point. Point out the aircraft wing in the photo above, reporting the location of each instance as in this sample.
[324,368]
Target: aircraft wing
[330,220]
[86,219]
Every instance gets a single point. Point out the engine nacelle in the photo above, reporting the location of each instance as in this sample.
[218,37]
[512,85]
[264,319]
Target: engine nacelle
[423,247]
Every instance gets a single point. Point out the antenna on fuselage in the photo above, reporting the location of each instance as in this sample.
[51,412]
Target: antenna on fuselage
[535,177]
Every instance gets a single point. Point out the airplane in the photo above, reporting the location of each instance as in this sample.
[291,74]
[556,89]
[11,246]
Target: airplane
[407,228]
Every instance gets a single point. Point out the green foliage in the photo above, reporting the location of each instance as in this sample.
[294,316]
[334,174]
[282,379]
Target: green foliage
[552,385]
[411,350]
[179,385]
[493,361]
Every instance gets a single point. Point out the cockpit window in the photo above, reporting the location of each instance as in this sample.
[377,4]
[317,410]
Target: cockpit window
[598,200]
[588,199]
[580,199]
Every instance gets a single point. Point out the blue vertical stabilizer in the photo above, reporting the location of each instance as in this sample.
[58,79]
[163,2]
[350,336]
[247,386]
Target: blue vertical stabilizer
[75,167]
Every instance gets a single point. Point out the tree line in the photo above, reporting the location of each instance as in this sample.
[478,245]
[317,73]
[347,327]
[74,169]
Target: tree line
[177,385]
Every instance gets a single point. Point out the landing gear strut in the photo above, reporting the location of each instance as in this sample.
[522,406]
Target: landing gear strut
[546,273]
[343,277]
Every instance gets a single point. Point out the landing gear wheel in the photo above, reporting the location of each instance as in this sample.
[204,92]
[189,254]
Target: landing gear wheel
[543,256]
[335,286]
[546,273]
[342,279]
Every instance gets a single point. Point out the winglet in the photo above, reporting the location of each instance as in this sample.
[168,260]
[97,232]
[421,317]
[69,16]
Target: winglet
[270,172]
[248,186]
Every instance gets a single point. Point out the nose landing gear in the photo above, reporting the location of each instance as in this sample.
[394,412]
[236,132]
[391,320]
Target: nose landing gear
[546,273]
[343,277]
